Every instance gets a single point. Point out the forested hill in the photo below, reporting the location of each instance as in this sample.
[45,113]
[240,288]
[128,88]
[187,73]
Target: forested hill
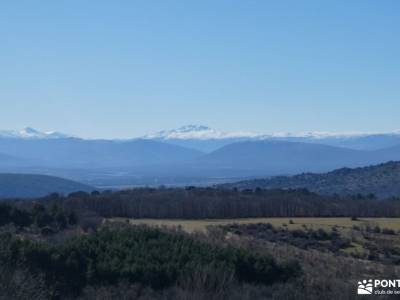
[382,180]
[31,186]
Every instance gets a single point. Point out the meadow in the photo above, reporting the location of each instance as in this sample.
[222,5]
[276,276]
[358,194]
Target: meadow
[289,223]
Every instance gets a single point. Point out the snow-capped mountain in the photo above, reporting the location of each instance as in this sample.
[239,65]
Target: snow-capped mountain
[206,139]
[199,132]
[192,151]
[202,132]
[31,133]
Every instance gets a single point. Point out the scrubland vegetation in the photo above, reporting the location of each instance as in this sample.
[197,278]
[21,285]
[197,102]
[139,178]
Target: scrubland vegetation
[93,246]
[342,223]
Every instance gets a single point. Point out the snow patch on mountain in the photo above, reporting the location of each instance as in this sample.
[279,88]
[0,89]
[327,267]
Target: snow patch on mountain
[198,132]
[31,133]
[327,134]
[201,132]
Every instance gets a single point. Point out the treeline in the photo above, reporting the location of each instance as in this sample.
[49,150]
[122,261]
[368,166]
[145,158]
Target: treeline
[139,255]
[198,203]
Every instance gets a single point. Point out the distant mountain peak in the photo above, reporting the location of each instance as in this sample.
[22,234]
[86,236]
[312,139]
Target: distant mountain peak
[31,133]
[200,132]
[29,130]
[189,128]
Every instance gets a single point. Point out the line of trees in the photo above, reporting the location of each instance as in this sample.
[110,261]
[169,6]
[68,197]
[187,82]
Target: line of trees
[198,203]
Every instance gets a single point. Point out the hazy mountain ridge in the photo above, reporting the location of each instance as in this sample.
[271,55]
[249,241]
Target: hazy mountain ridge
[382,180]
[79,153]
[158,161]
[282,157]
[204,138]
[32,185]
[207,139]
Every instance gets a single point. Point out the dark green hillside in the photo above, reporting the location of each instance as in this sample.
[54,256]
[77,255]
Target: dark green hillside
[382,180]
[137,255]
[31,186]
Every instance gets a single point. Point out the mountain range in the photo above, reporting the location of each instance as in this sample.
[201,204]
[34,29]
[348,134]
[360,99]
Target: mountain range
[190,154]
[80,153]
[206,139]
[382,180]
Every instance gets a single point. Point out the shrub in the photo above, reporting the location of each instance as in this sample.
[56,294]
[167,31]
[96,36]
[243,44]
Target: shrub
[377,229]
[388,231]
[140,255]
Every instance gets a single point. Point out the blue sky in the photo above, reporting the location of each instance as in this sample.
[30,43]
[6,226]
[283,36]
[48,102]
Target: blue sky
[125,68]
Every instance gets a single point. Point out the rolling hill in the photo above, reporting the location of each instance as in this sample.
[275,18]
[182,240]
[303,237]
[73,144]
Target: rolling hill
[383,180]
[31,186]
[80,153]
[280,157]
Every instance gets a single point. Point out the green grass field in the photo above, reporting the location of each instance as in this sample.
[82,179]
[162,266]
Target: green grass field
[314,223]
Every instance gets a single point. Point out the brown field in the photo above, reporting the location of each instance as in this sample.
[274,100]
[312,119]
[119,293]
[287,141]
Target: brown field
[314,223]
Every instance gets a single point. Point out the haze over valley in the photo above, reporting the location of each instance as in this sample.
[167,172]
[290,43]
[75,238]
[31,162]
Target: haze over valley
[190,155]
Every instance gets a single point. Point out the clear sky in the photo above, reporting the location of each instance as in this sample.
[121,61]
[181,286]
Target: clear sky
[125,68]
